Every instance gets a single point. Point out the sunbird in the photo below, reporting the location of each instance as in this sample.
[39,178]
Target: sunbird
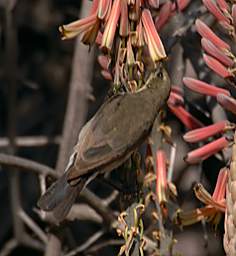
[106,141]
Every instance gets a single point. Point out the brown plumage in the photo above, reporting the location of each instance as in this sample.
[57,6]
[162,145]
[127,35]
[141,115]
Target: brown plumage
[121,124]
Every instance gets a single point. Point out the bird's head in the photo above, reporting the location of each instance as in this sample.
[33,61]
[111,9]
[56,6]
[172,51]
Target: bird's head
[157,79]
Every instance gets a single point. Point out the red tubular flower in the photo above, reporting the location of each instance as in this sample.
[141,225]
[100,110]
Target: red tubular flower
[103,8]
[217,200]
[205,132]
[99,38]
[178,90]
[130,54]
[206,32]
[77,27]
[234,14]
[220,188]
[204,88]
[164,15]
[227,26]
[108,13]
[94,7]
[154,3]
[107,75]
[110,28]
[215,204]
[155,46]
[216,66]
[124,23]
[167,10]
[227,102]
[89,25]
[206,151]
[140,37]
[161,180]
[175,99]
[185,117]
[211,49]
[104,61]
[89,37]
[135,9]
[196,215]
[223,5]
[214,10]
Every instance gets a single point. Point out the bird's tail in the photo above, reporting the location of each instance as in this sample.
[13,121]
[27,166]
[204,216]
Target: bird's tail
[60,196]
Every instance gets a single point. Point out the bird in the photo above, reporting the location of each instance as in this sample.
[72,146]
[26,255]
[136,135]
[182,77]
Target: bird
[107,140]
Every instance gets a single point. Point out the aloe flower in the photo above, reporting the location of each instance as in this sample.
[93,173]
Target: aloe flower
[227,102]
[161,180]
[156,49]
[217,53]
[203,87]
[206,151]
[164,15]
[168,10]
[175,99]
[125,29]
[234,15]
[206,132]
[215,10]
[215,204]
[223,5]
[185,117]
[110,28]
[217,67]
[207,33]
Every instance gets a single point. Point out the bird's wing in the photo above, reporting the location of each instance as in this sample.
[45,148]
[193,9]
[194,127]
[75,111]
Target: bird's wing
[111,133]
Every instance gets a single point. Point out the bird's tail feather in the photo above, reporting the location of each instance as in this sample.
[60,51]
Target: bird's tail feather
[60,196]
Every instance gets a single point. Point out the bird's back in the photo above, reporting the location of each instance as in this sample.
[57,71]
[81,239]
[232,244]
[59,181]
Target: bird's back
[120,125]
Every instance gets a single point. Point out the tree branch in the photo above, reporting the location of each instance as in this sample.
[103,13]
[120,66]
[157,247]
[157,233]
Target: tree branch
[30,141]
[76,112]
[26,165]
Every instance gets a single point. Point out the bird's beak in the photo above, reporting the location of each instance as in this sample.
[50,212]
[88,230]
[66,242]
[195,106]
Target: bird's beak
[142,88]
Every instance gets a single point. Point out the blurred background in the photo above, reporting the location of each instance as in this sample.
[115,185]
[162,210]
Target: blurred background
[36,69]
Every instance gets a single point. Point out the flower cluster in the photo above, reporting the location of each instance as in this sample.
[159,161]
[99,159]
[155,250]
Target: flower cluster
[127,34]
[219,58]
[215,204]
[124,29]
[168,10]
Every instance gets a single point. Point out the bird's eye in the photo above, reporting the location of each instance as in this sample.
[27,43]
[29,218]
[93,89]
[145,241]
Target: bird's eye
[160,75]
